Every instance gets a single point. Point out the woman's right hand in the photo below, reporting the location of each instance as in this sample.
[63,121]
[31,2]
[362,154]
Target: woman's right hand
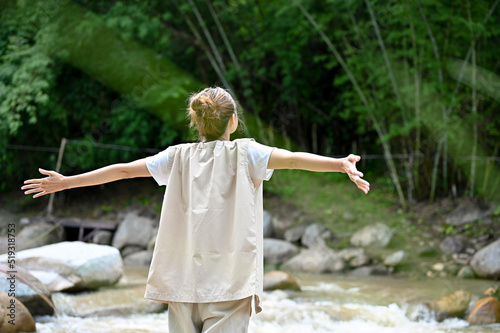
[354,174]
[54,182]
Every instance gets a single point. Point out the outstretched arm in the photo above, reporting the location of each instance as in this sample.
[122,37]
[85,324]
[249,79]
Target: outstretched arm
[284,159]
[55,182]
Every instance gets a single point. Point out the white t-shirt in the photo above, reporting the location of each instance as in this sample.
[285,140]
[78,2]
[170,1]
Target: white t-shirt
[258,158]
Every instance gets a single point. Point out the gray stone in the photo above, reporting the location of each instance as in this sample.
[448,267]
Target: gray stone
[102,237]
[128,250]
[38,234]
[356,257]
[281,225]
[313,233]
[277,251]
[466,272]
[295,234]
[394,259]
[87,266]
[141,258]
[486,262]
[376,235]
[110,302]
[133,230]
[468,212]
[319,259]
[452,244]
[371,270]
[268,224]
[280,280]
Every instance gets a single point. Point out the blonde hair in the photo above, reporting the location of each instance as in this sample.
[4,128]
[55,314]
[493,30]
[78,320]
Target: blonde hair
[209,112]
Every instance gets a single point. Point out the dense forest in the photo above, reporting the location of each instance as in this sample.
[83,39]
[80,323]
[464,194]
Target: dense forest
[410,85]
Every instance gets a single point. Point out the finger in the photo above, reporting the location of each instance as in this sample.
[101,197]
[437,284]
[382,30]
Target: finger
[46,172]
[39,194]
[31,181]
[27,187]
[35,190]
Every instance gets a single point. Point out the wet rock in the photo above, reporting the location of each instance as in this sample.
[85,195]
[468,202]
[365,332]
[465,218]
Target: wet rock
[376,235]
[355,257]
[134,230]
[141,258]
[469,211]
[319,259]
[111,302]
[486,263]
[38,234]
[452,244]
[281,224]
[277,251]
[394,259]
[26,294]
[86,266]
[486,311]
[466,272]
[371,270]
[280,280]
[314,235]
[295,234]
[102,237]
[268,224]
[451,305]
[13,310]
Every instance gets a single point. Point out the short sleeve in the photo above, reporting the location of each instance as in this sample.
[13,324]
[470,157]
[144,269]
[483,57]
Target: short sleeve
[258,158]
[158,167]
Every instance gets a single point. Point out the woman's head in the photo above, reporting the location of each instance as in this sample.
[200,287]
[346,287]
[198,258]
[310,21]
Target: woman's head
[209,111]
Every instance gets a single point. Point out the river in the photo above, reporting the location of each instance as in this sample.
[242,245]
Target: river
[327,303]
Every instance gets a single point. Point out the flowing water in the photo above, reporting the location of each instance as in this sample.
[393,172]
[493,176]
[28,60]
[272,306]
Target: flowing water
[327,303]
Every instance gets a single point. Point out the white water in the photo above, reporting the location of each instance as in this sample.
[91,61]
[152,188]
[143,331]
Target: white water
[327,304]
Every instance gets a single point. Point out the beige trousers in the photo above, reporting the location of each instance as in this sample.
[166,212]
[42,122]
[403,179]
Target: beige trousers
[218,317]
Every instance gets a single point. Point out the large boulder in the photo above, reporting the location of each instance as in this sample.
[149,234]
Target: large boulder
[468,212]
[319,259]
[109,302]
[486,311]
[315,234]
[451,305]
[280,280]
[376,235]
[39,234]
[78,265]
[277,251]
[295,234]
[134,230]
[486,262]
[14,316]
[268,224]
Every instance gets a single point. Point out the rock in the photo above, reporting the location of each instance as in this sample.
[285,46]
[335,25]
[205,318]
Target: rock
[439,267]
[376,235]
[14,310]
[133,230]
[26,294]
[268,224]
[130,249]
[466,272]
[280,280]
[394,259]
[86,266]
[371,270]
[277,251]
[313,233]
[469,211]
[319,259]
[295,234]
[38,234]
[152,242]
[451,305]
[102,237]
[110,302]
[356,257]
[486,311]
[281,225]
[452,244]
[486,263]
[141,258]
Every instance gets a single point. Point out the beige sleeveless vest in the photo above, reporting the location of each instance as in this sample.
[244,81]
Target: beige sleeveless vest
[209,243]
